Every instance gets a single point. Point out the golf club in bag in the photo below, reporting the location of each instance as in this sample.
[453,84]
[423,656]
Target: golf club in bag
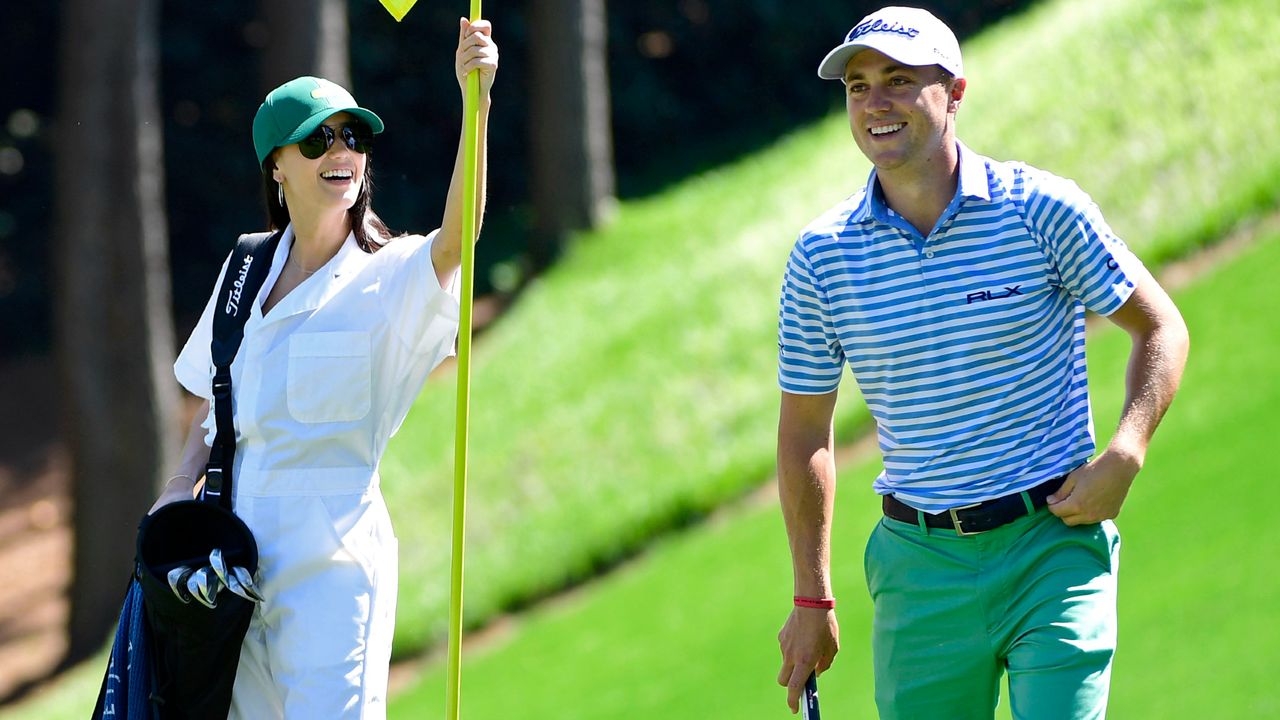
[192,594]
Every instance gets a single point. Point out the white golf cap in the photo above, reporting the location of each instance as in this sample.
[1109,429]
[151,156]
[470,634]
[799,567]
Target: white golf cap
[909,35]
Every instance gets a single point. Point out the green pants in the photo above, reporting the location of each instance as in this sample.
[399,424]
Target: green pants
[1035,597]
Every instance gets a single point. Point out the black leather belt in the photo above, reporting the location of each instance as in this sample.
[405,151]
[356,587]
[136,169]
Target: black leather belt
[979,517]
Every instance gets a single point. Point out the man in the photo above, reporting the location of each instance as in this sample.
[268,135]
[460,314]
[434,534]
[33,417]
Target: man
[955,288]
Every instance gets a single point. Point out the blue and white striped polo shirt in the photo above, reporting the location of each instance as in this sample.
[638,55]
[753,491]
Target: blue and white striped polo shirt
[968,344]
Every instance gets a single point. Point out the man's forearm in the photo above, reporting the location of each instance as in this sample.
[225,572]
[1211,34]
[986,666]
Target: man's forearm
[1152,377]
[806,489]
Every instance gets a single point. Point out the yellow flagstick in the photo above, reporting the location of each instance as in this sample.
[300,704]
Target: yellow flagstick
[470,128]
[470,123]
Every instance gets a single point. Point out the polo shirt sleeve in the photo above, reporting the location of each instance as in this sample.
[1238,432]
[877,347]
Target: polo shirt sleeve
[810,358]
[1089,261]
[194,366]
[422,314]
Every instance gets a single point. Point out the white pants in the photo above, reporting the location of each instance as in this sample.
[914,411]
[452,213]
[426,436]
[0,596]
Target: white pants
[319,646]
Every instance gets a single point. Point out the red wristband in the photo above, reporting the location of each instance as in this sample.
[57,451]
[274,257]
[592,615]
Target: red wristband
[827,603]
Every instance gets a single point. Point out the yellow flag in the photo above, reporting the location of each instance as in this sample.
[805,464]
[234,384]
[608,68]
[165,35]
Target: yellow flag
[398,8]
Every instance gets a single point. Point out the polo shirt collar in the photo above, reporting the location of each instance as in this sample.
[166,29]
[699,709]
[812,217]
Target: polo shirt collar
[973,184]
[973,174]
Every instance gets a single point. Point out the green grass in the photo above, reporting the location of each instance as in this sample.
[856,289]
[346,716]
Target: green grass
[631,389]
[628,391]
[688,631]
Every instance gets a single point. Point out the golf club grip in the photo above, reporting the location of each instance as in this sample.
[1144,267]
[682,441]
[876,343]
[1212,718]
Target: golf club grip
[809,700]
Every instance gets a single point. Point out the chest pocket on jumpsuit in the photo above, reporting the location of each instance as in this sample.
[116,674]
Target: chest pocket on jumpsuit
[330,376]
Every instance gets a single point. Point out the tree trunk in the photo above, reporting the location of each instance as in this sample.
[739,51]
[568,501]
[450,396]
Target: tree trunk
[572,184]
[307,37]
[114,328]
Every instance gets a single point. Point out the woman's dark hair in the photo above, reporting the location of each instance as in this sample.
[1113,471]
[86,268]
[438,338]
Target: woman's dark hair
[361,214]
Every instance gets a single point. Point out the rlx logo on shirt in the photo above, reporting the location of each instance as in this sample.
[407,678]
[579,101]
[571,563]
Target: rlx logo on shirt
[233,297]
[983,295]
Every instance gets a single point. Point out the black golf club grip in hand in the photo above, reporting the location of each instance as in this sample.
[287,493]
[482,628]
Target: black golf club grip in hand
[809,701]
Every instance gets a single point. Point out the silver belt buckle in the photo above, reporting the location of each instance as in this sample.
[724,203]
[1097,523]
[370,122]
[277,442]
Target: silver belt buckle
[955,520]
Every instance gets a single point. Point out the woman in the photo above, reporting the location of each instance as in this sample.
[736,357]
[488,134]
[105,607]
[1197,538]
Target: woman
[345,330]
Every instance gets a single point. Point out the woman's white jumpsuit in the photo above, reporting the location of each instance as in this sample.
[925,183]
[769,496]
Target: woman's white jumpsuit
[321,383]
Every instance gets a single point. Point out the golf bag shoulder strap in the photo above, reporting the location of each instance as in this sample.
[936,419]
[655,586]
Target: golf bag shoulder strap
[246,272]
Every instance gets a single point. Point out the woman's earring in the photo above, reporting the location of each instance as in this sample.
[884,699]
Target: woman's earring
[280,193]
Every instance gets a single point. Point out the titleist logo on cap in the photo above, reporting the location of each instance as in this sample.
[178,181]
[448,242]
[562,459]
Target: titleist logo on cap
[233,297]
[879,25]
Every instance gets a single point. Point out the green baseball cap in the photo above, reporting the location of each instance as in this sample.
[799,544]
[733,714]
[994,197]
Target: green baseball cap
[295,109]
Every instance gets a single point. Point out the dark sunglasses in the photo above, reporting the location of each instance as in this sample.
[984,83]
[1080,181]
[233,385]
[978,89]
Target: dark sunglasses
[356,136]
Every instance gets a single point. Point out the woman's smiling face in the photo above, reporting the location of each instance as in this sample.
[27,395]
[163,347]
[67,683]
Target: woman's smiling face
[331,180]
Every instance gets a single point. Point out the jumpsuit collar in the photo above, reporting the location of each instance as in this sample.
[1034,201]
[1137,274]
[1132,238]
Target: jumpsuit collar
[317,289]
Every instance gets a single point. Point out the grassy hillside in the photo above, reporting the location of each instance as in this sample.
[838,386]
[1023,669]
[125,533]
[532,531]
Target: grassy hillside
[688,631]
[1161,109]
[632,388]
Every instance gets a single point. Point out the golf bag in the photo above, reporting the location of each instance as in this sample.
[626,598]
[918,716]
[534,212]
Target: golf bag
[173,657]
[126,688]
